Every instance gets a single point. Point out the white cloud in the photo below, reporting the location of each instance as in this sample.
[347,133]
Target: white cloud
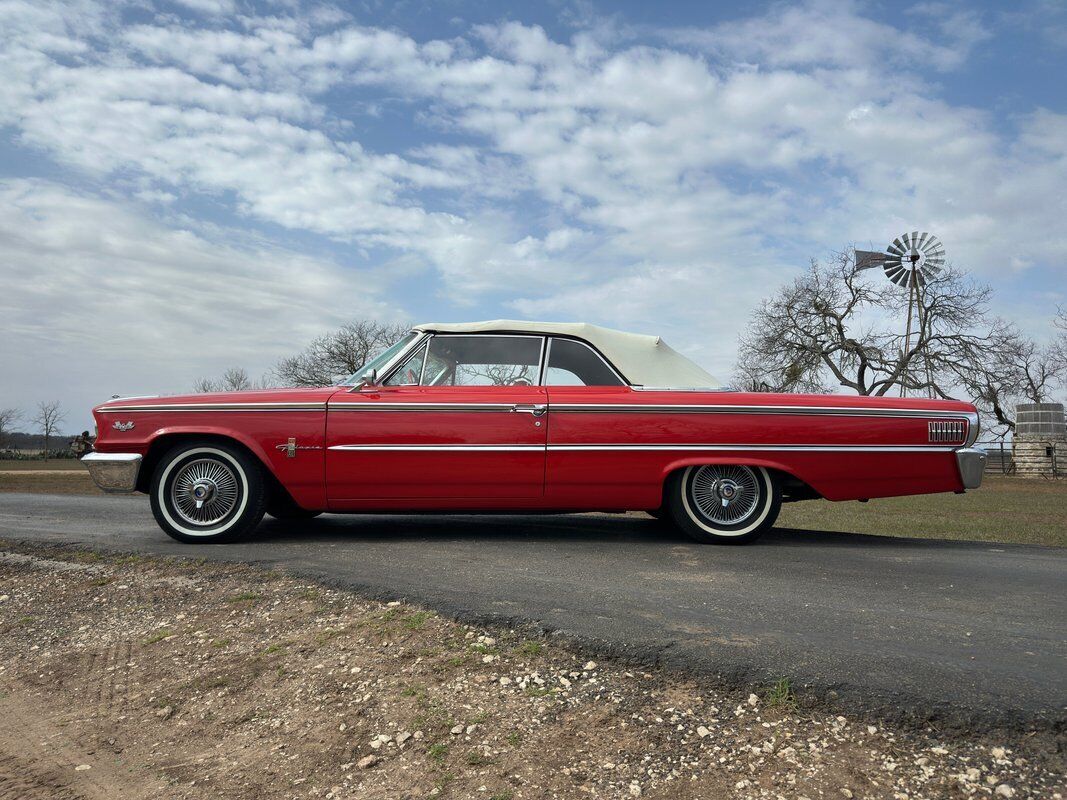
[624,177]
[95,288]
[212,7]
[836,33]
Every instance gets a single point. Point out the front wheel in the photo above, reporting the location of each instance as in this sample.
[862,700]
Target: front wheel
[724,503]
[207,492]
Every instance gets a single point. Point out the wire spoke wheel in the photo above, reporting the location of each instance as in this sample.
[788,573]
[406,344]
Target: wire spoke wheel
[204,492]
[208,491]
[724,494]
[723,503]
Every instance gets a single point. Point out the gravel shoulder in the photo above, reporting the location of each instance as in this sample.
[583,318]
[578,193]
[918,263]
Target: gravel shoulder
[128,676]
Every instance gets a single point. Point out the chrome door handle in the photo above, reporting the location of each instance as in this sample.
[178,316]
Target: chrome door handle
[535,409]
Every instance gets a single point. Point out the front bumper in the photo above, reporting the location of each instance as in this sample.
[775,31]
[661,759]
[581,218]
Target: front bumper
[971,462]
[114,472]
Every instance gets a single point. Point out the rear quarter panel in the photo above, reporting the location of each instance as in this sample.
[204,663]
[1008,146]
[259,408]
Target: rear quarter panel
[614,447]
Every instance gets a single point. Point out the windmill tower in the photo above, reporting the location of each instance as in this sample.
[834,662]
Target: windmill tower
[911,260]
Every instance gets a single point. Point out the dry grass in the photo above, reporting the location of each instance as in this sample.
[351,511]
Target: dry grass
[47,476]
[1010,510]
[38,465]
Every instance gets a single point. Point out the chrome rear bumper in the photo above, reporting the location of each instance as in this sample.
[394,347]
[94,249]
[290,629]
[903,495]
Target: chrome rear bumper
[971,462]
[114,472]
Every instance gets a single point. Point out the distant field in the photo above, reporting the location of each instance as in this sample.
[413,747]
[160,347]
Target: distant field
[1020,510]
[1024,511]
[66,464]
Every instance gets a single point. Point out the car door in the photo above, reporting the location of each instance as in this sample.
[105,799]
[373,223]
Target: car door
[461,419]
[590,463]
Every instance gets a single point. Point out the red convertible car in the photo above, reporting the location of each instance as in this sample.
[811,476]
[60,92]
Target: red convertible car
[523,416]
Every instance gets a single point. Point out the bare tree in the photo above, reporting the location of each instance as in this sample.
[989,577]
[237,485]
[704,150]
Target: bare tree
[8,418]
[234,379]
[1058,348]
[47,419]
[1021,370]
[834,326]
[206,386]
[338,354]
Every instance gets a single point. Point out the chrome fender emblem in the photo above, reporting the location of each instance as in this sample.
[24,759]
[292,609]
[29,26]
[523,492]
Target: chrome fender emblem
[122,426]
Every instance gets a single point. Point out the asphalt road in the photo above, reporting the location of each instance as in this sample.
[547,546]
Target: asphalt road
[957,633]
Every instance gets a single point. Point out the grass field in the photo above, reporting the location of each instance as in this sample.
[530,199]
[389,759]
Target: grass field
[36,465]
[51,476]
[1020,510]
[1024,511]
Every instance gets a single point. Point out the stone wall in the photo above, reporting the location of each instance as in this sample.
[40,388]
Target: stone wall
[1039,427]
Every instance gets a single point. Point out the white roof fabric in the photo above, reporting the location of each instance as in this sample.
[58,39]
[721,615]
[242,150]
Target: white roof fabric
[643,360]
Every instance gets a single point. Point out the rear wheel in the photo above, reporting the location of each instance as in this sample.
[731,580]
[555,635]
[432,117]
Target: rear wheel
[724,503]
[207,492]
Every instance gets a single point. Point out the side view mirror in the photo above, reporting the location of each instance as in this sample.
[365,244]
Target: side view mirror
[369,378]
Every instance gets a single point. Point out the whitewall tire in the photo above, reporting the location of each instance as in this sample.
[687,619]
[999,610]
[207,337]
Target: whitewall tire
[207,491]
[724,503]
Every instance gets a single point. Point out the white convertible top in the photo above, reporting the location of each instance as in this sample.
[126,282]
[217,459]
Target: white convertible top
[643,360]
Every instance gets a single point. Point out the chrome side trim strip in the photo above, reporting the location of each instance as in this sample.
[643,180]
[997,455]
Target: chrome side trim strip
[639,388]
[844,448]
[475,448]
[846,411]
[374,405]
[804,448]
[217,407]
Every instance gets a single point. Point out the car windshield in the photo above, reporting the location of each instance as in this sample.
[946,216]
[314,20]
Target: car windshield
[381,360]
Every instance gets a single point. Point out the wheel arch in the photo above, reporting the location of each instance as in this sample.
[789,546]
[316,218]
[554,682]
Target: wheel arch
[793,486]
[166,439]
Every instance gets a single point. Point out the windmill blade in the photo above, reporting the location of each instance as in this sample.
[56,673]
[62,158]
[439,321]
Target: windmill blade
[867,259]
[896,274]
[913,255]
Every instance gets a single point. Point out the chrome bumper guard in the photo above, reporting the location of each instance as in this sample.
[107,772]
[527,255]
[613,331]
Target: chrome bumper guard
[113,472]
[971,462]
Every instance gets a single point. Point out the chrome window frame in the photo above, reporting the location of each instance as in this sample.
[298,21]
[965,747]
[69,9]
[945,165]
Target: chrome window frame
[402,362]
[590,348]
[387,371]
[428,336]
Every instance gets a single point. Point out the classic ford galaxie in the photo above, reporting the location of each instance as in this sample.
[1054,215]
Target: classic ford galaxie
[524,416]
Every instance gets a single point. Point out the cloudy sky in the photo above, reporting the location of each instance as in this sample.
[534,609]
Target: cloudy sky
[190,185]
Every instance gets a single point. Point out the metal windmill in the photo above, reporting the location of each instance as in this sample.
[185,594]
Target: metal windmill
[911,260]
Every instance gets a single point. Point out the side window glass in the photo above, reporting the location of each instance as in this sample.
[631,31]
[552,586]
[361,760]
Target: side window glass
[482,361]
[409,372]
[572,363]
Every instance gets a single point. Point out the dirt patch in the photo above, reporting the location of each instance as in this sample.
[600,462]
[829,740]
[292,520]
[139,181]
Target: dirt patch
[132,677]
